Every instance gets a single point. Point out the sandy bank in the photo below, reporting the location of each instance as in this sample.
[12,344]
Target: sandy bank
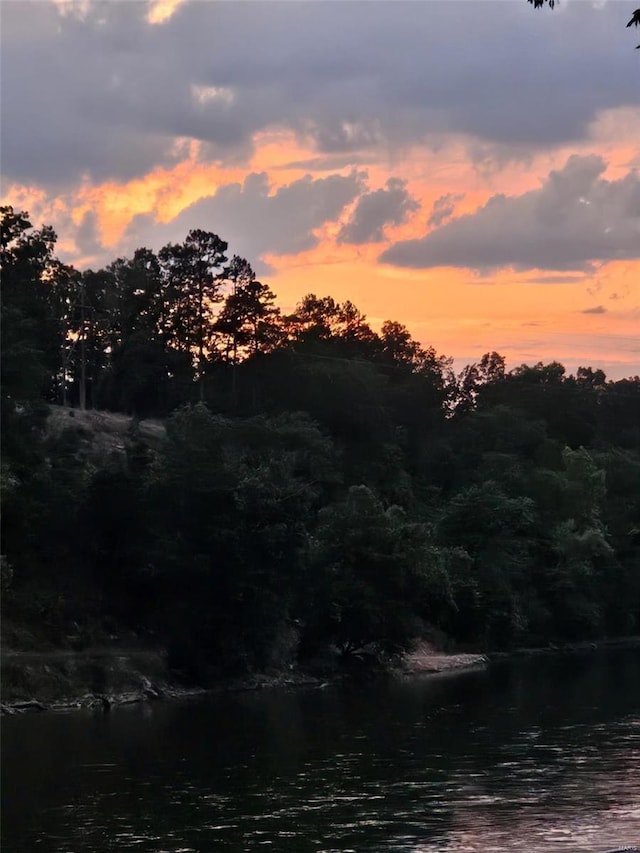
[425,659]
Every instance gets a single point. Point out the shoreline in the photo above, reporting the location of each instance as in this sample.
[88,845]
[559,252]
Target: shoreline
[568,648]
[424,659]
[153,683]
[64,680]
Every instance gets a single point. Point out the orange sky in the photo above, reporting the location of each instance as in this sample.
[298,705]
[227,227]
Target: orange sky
[460,313]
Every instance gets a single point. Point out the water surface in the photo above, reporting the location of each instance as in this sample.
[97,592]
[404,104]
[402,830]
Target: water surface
[539,755]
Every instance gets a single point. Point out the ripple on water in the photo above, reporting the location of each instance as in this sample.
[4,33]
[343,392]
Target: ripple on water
[467,766]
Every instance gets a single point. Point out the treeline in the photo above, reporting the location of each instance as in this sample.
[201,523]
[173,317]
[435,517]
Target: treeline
[321,485]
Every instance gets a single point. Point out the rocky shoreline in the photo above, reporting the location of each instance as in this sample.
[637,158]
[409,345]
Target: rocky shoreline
[102,679]
[99,701]
[105,678]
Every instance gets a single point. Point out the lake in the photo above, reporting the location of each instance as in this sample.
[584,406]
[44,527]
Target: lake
[539,754]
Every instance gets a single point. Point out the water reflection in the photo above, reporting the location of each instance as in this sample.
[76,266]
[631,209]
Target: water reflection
[539,755]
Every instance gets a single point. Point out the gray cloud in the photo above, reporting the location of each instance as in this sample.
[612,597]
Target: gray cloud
[86,237]
[377,209]
[105,94]
[574,220]
[253,221]
[75,89]
[599,309]
[328,163]
[563,278]
[443,209]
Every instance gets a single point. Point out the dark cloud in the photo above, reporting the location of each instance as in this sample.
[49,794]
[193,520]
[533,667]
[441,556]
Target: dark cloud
[87,238]
[99,92]
[574,220]
[71,88]
[377,209]
[255,221]
[563,278]
[443,209]
[599,309]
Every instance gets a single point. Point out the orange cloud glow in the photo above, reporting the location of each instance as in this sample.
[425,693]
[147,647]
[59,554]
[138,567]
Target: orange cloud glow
[527,316]
[161,10]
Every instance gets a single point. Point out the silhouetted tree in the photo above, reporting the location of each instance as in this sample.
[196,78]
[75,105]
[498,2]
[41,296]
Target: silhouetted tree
[193,272]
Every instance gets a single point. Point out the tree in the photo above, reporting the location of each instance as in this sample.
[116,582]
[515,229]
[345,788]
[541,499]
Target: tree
[544,392]
[635,22]
[193,272]
[321,321]
[574,553]
[231,501]
[314,319]
[32,336]
[249,320]
[143,297]
[398,346]
[373,571]
[491,368]
[146,378]
[494,530]
[148,373]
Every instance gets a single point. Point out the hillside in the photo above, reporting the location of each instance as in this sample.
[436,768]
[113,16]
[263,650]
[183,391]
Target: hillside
[105,433]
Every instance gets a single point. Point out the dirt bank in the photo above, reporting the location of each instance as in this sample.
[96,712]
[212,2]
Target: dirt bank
[425,659]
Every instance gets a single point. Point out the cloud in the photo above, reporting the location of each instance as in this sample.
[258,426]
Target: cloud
[255,220]
[328,163]
[599,309]
[573,221]
[86,236]
[562,278]
[443,209]
[102,93]
[374,210]
[161,10]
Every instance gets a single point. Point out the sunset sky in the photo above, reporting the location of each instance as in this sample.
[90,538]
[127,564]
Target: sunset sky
[470,168]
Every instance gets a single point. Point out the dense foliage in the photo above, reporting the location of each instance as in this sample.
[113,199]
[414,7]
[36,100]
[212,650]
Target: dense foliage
[320,485]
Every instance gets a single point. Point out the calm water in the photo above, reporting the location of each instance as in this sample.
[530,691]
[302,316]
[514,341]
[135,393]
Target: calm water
[538,755]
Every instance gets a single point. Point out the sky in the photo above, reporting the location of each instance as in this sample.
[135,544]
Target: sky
[470,168]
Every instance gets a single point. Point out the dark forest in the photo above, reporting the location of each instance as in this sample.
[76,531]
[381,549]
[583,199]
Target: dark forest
[318,484]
